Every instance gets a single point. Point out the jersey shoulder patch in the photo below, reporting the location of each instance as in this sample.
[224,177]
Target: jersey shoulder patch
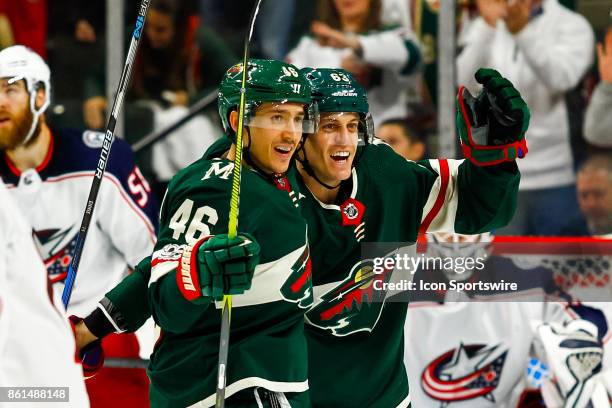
[85,148]
[93,139]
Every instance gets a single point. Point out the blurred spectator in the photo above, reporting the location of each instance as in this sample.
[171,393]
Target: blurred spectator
[403,137]
[349,34]
[28,21]
[6,32]
[544,49]
[229,22]
[274,27]
[75,40]
[424,23]
[396,12]
[393,13]
[300,24]
[83,22]
[594,187]
[598,120]
[177,63]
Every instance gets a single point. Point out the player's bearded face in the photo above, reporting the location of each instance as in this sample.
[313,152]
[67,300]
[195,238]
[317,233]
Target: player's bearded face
[275,132]
[15,115]
[331,150]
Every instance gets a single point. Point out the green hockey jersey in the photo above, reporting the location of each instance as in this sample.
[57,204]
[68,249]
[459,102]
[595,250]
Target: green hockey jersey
[360,364]
[267,343]
[355,341]
[126,305]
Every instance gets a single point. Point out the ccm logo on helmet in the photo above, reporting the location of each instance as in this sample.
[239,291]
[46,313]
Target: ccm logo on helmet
[345,93]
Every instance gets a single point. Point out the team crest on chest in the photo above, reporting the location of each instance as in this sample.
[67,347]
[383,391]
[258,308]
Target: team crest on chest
[354,305]
[298,288]
[464,373]
[352,215]
[56,246]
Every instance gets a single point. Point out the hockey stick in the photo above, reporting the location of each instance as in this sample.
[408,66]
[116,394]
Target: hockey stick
[105,153]
[232,225]
[194,109]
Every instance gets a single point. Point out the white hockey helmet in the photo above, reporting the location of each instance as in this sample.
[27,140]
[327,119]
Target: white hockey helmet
[19,62]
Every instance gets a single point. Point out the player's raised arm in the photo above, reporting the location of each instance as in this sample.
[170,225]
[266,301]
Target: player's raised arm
[479,194]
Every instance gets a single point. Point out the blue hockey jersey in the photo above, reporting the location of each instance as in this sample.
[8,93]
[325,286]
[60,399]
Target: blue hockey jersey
[53,196]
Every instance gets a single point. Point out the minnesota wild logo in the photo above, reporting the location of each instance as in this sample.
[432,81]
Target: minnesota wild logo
[355,304]
[298,288]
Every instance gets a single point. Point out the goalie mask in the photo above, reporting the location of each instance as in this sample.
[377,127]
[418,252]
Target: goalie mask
[459,248]
[19,62]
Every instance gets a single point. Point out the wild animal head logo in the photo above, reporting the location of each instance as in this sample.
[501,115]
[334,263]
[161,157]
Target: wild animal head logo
[298,288]
[354,305]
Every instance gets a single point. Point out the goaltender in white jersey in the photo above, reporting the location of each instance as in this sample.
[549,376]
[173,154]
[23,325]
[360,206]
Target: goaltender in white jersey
[480,350]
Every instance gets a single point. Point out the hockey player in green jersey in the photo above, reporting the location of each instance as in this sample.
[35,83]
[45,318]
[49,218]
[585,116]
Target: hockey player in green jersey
[267,353]
[367,193]
[392,198]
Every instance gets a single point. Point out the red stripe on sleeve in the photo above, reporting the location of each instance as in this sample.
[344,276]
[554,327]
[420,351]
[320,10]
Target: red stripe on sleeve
[444,178]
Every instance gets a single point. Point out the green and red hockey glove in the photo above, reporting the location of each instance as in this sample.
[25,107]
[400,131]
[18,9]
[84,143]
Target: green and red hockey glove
[216,266]
[492,126]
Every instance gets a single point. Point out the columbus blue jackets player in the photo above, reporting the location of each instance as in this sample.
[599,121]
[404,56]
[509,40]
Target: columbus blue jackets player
[48,172]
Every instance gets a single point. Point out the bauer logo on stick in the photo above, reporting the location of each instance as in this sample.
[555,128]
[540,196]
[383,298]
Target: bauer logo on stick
[138,28]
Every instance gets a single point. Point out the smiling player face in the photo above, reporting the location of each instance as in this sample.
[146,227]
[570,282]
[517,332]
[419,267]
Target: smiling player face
[331,150]
[275,132]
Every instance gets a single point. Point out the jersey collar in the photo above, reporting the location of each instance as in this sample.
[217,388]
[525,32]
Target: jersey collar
[17,173]
[335,206]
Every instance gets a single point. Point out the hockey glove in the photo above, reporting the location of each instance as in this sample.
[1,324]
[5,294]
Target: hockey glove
[574,355]
[91,356]
[492,126]
[217,266]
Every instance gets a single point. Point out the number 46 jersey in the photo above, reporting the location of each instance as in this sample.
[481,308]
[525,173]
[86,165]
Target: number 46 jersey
[267,345]
[52,197]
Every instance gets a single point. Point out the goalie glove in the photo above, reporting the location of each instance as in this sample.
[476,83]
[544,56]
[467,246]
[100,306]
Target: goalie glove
[217,265]
[574,355]
[492,126]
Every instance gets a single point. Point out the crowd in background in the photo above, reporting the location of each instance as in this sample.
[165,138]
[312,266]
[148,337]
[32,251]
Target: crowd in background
[560,62]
